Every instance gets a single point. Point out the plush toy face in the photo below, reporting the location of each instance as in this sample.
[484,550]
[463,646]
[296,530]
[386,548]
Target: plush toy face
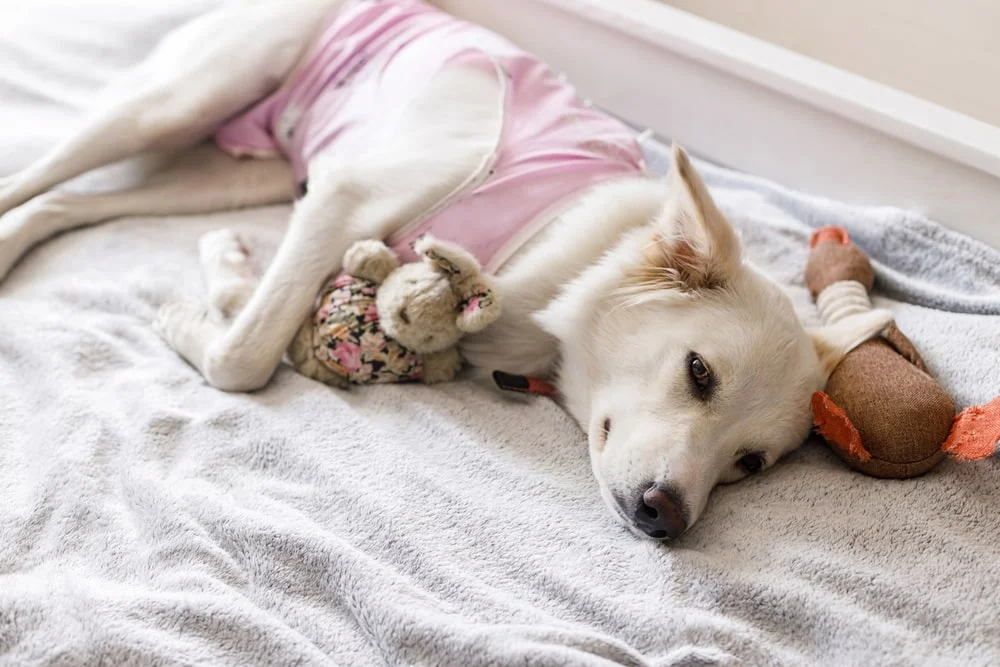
[417,307]
[428,306]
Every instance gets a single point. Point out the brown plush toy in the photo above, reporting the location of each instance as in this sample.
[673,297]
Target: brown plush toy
[882,412]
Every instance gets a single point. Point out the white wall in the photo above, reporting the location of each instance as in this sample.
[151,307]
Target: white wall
[946,51]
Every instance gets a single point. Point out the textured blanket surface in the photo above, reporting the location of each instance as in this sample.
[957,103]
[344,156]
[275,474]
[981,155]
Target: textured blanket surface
[148,519]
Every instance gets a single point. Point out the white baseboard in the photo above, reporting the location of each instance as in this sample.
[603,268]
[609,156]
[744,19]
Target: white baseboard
[753,106]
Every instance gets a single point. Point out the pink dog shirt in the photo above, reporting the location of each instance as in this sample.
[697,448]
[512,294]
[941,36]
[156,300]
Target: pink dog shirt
[376,55]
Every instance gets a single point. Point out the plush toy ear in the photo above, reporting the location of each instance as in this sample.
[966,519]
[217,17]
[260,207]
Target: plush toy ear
[834,341]
[370,260]
[479,304]
[449,259]
[479,308]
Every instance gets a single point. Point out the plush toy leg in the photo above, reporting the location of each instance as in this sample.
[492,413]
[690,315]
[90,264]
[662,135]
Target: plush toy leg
[303,358]
[836,428]
[975,433]
[441,366]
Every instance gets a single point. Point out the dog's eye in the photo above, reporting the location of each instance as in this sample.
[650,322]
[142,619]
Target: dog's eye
[751,463]
[701,374]
[607,427]
[403,315]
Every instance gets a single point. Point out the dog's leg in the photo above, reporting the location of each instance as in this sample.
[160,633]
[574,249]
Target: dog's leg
[198,76]
[441,139]
[229,275]
[202,180]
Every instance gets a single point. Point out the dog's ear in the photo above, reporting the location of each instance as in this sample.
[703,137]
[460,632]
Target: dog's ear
[833,341]
[694,246]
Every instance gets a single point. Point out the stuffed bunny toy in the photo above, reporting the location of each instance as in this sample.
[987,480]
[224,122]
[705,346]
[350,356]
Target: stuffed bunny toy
[382,321]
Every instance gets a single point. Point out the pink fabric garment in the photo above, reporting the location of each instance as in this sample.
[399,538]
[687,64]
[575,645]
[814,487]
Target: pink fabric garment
[376,55]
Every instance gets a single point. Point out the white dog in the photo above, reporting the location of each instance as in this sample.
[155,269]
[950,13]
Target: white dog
[685,366]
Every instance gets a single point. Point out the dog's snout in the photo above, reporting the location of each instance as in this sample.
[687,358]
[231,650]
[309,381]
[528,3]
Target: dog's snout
[661,513]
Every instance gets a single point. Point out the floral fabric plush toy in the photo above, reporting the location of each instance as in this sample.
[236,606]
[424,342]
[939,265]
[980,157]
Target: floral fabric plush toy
[383,321]
[881,410]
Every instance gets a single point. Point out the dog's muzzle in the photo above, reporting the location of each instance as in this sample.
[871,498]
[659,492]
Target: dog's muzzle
[661,513]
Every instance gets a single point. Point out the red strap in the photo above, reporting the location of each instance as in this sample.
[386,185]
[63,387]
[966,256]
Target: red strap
[523,384]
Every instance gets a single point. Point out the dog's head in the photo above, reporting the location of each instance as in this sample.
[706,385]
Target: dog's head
[685,365]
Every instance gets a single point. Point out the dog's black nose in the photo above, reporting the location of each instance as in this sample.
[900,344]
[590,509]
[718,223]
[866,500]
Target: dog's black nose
[661,513]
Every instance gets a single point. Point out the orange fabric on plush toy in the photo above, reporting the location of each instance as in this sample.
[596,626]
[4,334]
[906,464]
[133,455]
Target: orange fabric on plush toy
[976,433]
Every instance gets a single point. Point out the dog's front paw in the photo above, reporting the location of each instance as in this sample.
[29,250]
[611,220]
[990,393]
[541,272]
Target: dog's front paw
[225,261]
[187,328]
[222,245]
[174,317]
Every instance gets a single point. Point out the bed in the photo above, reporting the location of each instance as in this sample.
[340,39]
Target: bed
[146,518]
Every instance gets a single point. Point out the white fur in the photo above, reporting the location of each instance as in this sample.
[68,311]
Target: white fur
[570,303]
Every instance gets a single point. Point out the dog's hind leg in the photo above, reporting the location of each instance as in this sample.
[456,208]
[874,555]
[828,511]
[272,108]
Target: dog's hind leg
[228,271]
[199,75]
[440,139]
[201,180]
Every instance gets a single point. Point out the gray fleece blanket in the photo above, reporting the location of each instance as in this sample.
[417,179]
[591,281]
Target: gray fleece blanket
[148,519]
